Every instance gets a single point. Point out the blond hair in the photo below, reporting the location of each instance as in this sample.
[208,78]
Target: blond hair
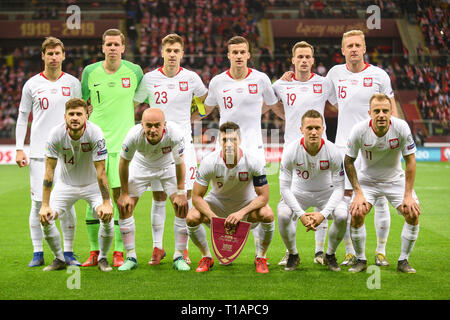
[380,97]
[171,39]
[353,33]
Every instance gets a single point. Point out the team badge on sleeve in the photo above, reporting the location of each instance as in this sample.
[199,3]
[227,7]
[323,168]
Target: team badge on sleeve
[228,243]
[125,148]
[101,144]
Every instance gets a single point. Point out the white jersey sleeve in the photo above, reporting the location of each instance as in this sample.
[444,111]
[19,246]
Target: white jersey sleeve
[211,98]
[205,171]
[142,92]
[129,145]
[269,96]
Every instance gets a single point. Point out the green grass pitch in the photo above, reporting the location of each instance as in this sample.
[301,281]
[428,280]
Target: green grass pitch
[238,281]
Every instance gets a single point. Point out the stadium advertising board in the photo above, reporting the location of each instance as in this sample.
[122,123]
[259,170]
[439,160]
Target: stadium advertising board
[330,28]
[55,28]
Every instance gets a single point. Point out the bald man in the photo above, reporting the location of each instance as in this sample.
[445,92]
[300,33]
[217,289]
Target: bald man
[157,147]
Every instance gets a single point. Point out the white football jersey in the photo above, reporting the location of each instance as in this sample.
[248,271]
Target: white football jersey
[172,95]
[47,102]
[381,156]
[311,173]
[300,96]
[153,156]
[231,185]
[353,92]
[241,102]
[76,157]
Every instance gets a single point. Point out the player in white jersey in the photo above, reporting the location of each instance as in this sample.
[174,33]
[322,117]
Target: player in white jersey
[79,146]
[354,83]
[171,88]
[380,142]
[239,93]
[239,192]
[306,90]
[157,149]
[44,95]
[311,175]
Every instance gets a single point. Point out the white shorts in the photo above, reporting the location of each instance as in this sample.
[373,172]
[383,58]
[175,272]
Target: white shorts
[393,191]
[308,200]
[64,196]
[37,173]
[224,209]
[190,161]
[140,179]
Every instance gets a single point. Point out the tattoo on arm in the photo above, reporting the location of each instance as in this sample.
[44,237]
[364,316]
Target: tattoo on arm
[104,190]
[48,183]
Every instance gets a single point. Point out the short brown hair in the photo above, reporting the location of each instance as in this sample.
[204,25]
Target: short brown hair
[171,39]
[302,44]
[352,33]
[380,97]
[312,114]
[238,40]
[113,32]
[75,103]
[230,126]
[51,42]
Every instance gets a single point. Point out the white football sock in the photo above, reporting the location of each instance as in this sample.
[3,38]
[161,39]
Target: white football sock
[158,217]
[409,237]
[382,221]
[105,238]
[181,236]
[68,225]
[338,227]
[359,236]
[53,238]
[321,234]
[37,236]
[266,238]
[347,238]
[288,228]
[128,231]
[198,237]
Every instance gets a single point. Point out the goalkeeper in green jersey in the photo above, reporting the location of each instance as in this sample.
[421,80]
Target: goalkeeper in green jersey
[110,86]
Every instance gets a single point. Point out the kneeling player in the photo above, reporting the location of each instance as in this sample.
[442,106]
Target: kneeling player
[80,147]
[239,192]
[311,175]
[156,147]
[382,141]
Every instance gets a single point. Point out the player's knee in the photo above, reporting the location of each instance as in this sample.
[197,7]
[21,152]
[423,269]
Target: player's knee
[283,213]
[412,220]
[193,218]
[265,214]
[159,196]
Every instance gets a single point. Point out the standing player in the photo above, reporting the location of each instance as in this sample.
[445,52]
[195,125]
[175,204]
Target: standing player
[110,85]
[44,95]
[171,88]
[157,148]
[240,93]
[312,175]
[305,91]
[380,142]
[239,192]
[354,83]
[79,146]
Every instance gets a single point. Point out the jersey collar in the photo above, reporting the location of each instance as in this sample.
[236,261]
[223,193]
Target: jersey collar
[366,65]
[160,69]
[42,74]
[249,70]
[310,77]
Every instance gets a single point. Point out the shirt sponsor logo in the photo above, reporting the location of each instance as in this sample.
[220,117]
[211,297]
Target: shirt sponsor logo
[126,83]
[393,143]
[66,91]
[354,82]
[86,147]
[243,176]
[166,150]
[253,88]
[324,164]
[54,91]
[368,82]
[184,86]
[317,88]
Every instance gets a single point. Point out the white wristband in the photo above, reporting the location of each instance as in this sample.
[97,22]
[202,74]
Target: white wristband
[181,192]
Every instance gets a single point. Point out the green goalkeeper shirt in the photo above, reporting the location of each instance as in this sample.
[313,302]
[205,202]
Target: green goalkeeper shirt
[112,99]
